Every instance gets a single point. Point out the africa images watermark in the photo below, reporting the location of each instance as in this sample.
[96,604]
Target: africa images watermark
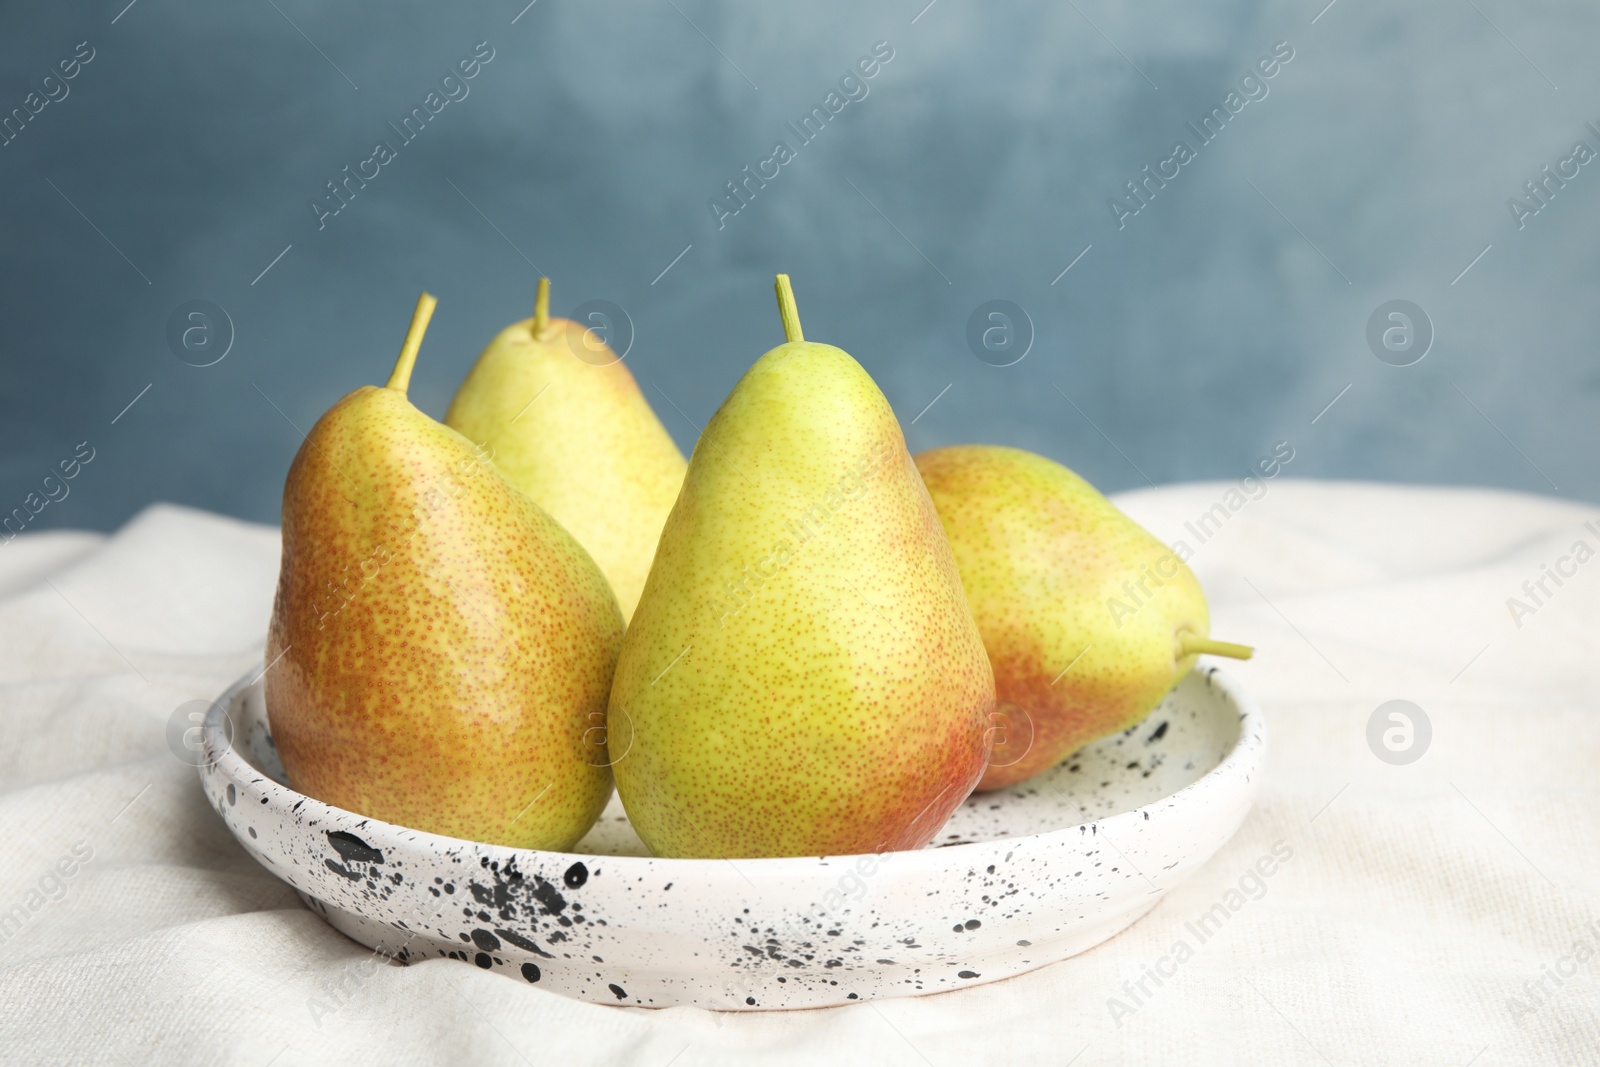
[53,89]
[742,191]
[1399,732]
[1541,190]
[854,882]
[448,487]
[1252,885]
[1565,568]
[339,990]
[1252,87]
[1249,490]
[55,490]
[1204,527]
[1552,977]
[52,886]
[811,522]
[455,90]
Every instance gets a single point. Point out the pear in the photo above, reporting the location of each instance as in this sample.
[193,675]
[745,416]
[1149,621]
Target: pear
[440,648]
[1088,619]
[567,425]
[802,675]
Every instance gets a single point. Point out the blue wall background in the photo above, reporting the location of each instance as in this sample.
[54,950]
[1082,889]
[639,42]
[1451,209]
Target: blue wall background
[1220,319]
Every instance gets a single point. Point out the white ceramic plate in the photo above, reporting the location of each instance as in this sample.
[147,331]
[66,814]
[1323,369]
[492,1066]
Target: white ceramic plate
[1017,879]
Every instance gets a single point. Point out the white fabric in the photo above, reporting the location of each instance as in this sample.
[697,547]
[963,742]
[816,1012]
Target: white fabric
[1415,911]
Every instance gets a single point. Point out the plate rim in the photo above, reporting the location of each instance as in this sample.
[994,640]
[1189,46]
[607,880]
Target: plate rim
[1244,756]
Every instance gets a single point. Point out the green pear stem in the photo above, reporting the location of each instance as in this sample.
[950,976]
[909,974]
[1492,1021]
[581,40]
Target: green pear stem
[541,309]
[786,308]
[1191,645]
[400,380]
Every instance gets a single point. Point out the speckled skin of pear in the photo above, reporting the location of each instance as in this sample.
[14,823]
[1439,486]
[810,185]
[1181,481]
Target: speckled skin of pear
[1042,556]
[802,676]
[590,451]
[441,649]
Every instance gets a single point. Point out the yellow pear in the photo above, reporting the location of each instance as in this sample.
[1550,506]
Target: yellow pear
[1088,619]
[567,424]
[440,649]
[802,676]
